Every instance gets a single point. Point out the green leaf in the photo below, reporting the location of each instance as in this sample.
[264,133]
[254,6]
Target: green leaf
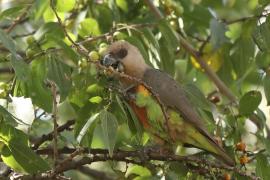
[59,73]
[263,60]
[218,30]
[266,85]
[19,155]
[133,122]
[261,36]
[262,166]
[89,27]
[67,49]
[249,102]
[7,42]
[138,170]
[88,129]
[11,12]
[122,4]
[243,56]
[8,118]
[37,90]
[50,28]
[109,126]
[21,69]
[169,34]
[65,5]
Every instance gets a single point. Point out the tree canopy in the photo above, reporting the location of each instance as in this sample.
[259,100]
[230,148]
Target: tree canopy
[63,115]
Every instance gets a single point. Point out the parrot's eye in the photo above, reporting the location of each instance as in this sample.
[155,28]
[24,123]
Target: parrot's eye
[121,53]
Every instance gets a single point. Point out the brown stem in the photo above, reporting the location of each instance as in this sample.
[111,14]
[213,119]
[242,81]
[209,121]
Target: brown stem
[135,157]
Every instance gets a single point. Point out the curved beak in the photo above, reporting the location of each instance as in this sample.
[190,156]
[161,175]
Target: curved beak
[109,60]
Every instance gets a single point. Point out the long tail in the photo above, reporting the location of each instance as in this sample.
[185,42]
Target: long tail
[206,142]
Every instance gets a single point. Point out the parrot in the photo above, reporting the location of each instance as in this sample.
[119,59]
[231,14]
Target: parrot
[183,124]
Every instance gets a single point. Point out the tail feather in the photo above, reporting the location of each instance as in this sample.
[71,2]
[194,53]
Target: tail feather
[207,143]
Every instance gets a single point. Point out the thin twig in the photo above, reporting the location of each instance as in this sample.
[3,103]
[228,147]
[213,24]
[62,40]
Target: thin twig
[19,19]
[55,126]
[49,136]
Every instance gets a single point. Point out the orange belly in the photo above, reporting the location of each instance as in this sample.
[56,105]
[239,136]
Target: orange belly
[140,113]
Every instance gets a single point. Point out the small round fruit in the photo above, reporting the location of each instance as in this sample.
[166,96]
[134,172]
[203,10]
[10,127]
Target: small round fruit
[30,40]
[243,160]
[82,63]
[227,176]
[240,146]
[119,35]
[103,45]
[102,51]
[94,56]
[30,53]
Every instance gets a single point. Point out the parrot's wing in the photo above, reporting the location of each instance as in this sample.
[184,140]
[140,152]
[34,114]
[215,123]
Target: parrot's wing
[173,96]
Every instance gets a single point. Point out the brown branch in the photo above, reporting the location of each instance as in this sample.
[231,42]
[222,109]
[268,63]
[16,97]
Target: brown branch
[49,136]
[154,9]
[78,46]
[19,19]
[136,157]
[104,36]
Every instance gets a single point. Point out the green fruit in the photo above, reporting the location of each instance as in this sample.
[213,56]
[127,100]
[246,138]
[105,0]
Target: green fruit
[30,53]
[94,56]
[82,63]
[30,40]
[103,45]
[119,35]
[94,88]
[96,99]
[102,51]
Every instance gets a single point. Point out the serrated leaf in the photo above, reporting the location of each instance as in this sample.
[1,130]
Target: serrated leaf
[59,73]
[109,126]
[266,86]
[18,152]
[262,167]
[261,37]
[249,102]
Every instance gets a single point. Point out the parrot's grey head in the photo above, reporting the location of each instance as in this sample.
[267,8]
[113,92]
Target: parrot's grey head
[124,57]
